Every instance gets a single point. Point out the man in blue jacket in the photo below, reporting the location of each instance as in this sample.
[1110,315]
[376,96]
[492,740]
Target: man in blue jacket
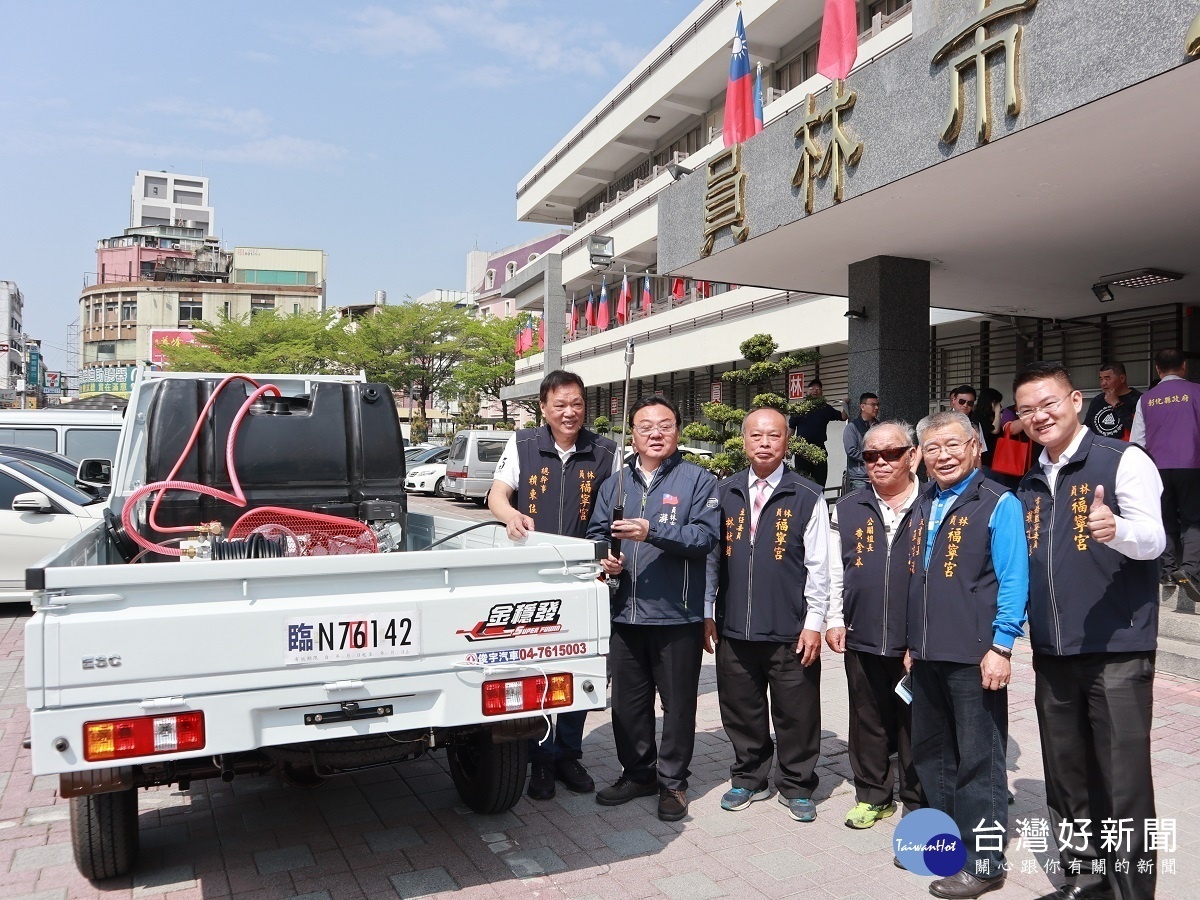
[671,523]
[768,590]
[967,600]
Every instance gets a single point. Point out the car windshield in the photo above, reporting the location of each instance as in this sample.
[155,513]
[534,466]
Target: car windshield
[55,487]
[426,454]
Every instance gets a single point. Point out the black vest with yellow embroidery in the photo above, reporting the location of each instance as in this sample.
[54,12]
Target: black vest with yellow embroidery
[559,495]
[1084,596]
[952,605]
[875,579]
[760,585]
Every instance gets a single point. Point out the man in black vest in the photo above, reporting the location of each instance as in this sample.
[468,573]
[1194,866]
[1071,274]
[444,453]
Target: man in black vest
[967,600]
[767,592]
[868,620]
[548,479]
[1095,531]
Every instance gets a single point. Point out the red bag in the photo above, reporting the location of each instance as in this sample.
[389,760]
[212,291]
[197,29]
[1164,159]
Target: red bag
[1013,455]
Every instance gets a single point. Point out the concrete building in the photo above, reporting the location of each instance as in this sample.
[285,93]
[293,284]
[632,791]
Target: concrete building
[12,330]
[1010,223]
[165,198]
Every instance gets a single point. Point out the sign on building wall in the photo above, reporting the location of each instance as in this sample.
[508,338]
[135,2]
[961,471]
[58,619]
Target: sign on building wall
[160,336]
[714,392]
[116,380]
[614,407]
[795,385]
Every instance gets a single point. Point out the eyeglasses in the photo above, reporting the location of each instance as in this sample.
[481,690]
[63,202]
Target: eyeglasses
[954,448]
[891,454]
[1048,407]
[660,428]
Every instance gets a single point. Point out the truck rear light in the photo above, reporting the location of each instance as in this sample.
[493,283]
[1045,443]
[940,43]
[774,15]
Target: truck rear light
[142,736]
[527,694]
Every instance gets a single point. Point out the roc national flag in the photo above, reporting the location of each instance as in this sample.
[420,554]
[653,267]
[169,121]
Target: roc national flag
[623,301]
[574,315]
[602,313]
[758,103]
[589,315]
[739,106]
[542,333]
[647,300]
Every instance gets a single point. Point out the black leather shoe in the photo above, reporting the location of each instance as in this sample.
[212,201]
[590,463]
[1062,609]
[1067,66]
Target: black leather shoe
[672,805]
[625,790]
[574,776]
[964,886]
[541,781]
[1075,892]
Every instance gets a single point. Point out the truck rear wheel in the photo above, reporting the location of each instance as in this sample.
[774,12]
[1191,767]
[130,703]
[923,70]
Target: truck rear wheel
[489,776]
[104,833]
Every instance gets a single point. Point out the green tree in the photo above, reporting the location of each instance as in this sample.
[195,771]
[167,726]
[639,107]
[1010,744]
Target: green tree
[757,350]
[490,365]
[266,342]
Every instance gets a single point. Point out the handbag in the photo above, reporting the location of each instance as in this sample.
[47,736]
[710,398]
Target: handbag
[1013,455]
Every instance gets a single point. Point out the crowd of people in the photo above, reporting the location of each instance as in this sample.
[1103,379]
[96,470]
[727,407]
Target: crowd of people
[925,587]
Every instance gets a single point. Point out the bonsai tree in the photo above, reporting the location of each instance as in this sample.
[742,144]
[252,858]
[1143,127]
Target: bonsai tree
[757,350]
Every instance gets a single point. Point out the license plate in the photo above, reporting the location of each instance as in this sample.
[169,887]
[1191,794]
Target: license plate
[349,636]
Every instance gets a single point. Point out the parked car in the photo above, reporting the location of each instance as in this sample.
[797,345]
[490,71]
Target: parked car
[38,514]
[427,479]
[472,463]
[415,456]
[56,465]
[77,434]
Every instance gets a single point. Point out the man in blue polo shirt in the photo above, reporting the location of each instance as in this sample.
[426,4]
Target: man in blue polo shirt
[967,600]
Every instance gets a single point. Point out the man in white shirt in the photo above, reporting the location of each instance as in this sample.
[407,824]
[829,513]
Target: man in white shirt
[765,602]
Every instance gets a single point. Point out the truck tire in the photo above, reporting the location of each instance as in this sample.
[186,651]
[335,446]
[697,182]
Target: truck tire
[489,776]
[104,833]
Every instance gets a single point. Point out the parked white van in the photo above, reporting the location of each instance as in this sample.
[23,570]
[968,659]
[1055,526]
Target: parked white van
[78,434]
[471,465]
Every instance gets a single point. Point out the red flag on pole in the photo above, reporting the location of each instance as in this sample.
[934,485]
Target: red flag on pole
[602,312]
[678,288]
[839,39]
[623,301]
[647,300]
[739,104]
[542,333]
[590,315]
[574,316]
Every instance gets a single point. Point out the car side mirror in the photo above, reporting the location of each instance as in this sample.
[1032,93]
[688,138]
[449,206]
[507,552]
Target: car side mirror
[34,501]
[95,473]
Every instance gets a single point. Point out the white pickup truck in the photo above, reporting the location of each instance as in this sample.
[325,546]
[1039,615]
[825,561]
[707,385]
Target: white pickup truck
[143,669]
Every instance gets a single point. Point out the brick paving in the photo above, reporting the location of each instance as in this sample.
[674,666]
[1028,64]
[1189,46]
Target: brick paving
[402,832]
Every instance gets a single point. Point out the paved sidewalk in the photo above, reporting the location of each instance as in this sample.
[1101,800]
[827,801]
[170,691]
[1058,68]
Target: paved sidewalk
[402,831]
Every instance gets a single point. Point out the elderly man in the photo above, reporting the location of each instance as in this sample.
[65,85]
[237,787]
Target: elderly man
[966,608]
[1111,412]
[1094,524]
[547,480]
[852,438]
[768,588]
[868,620]
[671,526]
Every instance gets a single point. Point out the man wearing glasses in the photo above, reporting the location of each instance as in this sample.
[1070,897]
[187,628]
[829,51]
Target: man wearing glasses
[768,588]
[868,620]
[1095,532]
[671,522]
[963,399]
[852,440]
[967,600]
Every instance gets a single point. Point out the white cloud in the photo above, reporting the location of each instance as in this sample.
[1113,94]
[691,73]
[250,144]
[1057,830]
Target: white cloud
[220,119]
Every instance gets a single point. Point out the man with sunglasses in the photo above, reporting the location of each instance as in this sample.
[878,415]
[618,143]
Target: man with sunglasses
[967,599]
[1095,531]
[868,620]
[768,588]
[671,523]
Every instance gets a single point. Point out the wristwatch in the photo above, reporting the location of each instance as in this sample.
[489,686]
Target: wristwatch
[1003,651]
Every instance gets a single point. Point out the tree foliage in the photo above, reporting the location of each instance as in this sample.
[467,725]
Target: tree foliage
[303,343]
[490,365]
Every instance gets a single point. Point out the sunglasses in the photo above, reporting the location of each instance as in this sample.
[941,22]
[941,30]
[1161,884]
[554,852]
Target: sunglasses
[891,454]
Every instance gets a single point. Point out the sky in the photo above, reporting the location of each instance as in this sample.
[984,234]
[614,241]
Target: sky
[390,135]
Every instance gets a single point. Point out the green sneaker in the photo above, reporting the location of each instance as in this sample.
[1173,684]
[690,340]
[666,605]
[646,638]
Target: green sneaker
[864,815]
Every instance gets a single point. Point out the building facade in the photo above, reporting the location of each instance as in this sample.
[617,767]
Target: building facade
[165,198]
[897,164]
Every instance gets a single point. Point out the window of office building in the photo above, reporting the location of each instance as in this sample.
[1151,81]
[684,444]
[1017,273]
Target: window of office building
[190,311]
[885,8]
[260,303]
[128,310]
[796,70]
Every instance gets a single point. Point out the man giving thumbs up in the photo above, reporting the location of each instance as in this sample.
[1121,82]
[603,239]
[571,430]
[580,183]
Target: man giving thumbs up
[1094,526]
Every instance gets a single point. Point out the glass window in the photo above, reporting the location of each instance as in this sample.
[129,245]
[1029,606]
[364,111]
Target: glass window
[9,488]
[190,312]
[90,443]
[490,450]
[42,438]
[128,310]
[52,485]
